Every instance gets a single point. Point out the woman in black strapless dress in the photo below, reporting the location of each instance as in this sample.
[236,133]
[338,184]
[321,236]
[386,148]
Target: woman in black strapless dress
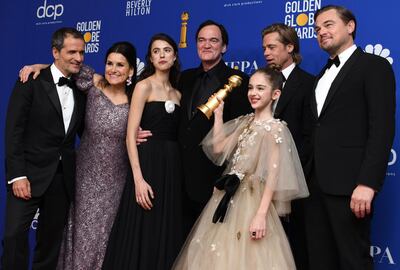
[147,232]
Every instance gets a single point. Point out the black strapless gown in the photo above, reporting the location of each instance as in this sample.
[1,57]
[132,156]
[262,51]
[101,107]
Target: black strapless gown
[151,239]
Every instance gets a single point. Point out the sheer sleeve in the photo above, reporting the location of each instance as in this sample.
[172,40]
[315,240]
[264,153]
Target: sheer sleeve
[226,139]
[84,79]
[280,168]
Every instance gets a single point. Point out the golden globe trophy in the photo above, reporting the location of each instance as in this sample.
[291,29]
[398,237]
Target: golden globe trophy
[184,18]
[212,103]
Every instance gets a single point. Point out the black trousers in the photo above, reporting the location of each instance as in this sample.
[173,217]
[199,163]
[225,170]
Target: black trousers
[294,226]
[53,206]
[336,239]
[191,211]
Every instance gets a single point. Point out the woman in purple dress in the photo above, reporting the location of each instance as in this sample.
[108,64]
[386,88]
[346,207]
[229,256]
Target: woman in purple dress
[102,161]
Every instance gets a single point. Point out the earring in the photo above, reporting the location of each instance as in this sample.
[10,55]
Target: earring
[129,80]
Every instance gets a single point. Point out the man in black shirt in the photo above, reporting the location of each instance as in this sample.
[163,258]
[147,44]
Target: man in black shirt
[197,85]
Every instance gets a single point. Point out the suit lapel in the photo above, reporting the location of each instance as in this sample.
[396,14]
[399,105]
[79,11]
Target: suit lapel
[313,102]
[194,80]
[75,112]
[288,91]
[51,90]
[338,80]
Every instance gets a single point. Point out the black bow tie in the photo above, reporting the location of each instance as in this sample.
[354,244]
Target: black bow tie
[65,81]
[335,61]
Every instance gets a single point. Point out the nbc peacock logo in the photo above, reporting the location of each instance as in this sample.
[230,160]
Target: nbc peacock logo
[139,66]
[379,50]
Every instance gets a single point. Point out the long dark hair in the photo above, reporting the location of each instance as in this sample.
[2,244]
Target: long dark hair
[129,52]
[149,68]
[272,75]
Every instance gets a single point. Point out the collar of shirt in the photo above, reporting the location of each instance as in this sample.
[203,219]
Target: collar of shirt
[325,82]
[344,56]
[288,70]
[56,73]
[213,71]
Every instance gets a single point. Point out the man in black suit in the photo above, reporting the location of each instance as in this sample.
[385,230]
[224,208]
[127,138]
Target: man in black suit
[197,85]
[282,51]
[353,110]
[42,121]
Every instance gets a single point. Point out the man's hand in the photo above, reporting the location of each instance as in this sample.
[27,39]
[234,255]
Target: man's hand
[361,200]
[22,189]
[142,136]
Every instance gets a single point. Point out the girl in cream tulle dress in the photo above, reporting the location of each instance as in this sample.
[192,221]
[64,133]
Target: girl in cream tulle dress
[240,227]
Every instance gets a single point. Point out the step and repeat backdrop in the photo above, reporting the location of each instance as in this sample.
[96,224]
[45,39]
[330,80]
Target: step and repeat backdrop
[28,25]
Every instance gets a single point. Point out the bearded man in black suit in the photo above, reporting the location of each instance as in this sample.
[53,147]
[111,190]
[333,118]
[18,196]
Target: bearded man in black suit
[43,118]
[353,112]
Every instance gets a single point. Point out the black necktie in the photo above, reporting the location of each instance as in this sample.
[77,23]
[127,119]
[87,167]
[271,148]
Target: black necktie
[335,61]
[65,81]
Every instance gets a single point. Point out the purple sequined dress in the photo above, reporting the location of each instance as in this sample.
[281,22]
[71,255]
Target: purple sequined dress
[101,169]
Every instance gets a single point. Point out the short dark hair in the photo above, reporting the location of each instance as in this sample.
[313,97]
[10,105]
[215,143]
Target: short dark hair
[345,15]
[57,39]
[149,69]
[129,52]
[273,76]
[224,33]
[287,35]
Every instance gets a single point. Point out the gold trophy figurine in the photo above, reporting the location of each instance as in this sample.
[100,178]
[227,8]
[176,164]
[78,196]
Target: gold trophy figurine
[212,103]
[184,18]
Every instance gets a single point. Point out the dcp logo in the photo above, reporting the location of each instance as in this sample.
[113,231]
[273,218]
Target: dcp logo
[49,11]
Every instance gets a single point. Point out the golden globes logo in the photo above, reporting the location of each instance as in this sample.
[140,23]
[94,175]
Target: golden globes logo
[138,8]
[183,41]
[91,34]
[300,16]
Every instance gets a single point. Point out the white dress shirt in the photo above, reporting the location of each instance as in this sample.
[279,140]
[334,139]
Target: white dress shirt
[66,96]
[325,82]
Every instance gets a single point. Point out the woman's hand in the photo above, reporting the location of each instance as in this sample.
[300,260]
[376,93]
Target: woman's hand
[258,227]
[218,112]
[144,194]
[25,71]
